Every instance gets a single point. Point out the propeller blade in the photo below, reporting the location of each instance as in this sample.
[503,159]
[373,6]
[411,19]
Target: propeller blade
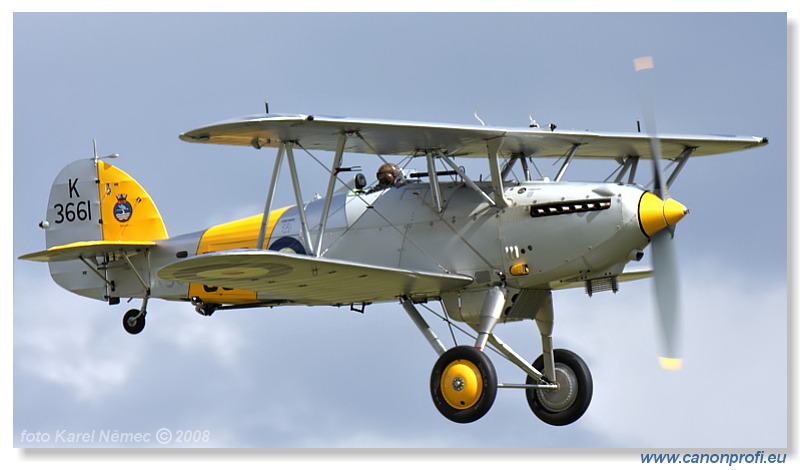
[665,268]
[644,69]
[667,297]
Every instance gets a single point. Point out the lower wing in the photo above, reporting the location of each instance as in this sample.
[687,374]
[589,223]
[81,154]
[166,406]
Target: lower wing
[308,280]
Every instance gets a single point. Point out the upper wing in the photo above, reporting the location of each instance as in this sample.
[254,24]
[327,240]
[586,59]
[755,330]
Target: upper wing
[87,250]
[402,137]
[303,279]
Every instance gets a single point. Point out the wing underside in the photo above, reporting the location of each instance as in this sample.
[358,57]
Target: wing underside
[302,279]
[389,137]
[88,250]
[581,283]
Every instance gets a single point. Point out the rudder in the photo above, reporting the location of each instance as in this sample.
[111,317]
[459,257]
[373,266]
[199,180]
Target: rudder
[129,214]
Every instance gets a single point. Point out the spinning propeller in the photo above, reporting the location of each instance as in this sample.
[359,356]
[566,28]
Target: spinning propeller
[659,214]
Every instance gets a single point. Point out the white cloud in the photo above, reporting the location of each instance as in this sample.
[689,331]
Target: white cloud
[213,337]
[66,341]
[79,343]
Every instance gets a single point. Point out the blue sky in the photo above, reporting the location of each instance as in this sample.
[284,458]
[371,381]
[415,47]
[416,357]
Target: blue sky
[325,377]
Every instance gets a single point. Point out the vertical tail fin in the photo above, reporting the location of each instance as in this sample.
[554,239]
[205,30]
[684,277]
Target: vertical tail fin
[93,200]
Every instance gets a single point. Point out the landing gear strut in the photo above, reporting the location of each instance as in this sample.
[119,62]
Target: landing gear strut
[463,380]
[133,320]
[464,383]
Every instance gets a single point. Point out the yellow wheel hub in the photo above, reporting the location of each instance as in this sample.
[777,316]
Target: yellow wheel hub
[461,384]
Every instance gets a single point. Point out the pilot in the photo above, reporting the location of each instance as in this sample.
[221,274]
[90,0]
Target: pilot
[389,175]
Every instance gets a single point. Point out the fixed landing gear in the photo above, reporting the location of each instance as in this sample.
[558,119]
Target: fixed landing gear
[463,384]
[570,400]
[133,321]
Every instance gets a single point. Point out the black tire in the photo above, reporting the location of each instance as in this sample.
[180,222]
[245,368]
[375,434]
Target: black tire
[132,324]
[472,385]
[567,404]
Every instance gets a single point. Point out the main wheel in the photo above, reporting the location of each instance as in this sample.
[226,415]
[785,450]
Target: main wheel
[463,384]
[131,323]
[568,403]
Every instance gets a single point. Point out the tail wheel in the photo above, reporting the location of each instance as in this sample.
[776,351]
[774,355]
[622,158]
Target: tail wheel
[463,384]
[568,403]
[133,322]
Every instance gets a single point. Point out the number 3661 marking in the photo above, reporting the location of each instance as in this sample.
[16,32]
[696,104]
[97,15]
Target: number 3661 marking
[71,211]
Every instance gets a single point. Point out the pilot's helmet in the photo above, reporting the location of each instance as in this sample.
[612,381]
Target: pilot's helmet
[387,174]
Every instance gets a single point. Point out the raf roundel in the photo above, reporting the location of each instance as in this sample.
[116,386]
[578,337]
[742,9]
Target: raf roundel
[122,209]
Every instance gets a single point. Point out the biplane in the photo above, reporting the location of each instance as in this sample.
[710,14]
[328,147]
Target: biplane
[489,251]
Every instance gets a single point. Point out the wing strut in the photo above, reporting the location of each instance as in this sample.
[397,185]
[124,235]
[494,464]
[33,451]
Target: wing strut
[681,162]
[466,178]
[493,147]
[301,209]
[337,162]
[525,169]
[270,196]
[513,161]
[567,162]
[436,192]
[287,148]
[630,164]
[509,166]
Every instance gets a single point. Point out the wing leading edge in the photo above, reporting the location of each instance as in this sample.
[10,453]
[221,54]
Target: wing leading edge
[308,280]
[389,137]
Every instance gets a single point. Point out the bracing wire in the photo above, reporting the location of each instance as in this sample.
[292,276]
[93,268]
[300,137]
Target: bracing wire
[385,219]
